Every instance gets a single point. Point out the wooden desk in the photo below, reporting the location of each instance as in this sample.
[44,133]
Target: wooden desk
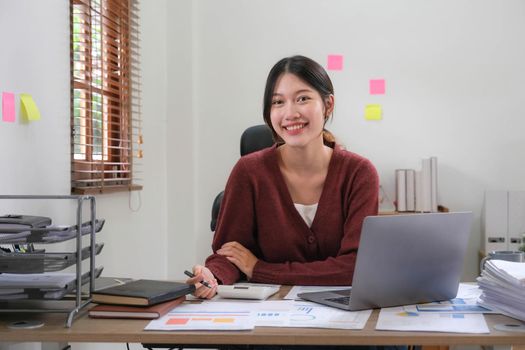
[89,330]
[85,329]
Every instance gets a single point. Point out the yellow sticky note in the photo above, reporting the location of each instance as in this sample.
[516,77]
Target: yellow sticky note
[373,112]
[28,107]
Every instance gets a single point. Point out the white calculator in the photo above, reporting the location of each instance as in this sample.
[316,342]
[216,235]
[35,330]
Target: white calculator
[247,291]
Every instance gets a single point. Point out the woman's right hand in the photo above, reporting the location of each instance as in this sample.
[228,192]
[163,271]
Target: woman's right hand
[202,273]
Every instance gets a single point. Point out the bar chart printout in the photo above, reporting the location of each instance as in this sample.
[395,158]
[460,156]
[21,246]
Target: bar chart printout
[206,316]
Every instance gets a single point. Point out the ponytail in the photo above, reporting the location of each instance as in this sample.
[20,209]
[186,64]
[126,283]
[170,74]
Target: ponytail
[328,138]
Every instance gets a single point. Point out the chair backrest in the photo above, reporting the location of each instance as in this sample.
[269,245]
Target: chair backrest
[215,207]
[255,138]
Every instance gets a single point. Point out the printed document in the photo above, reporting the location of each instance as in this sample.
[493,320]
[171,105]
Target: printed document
[208,315]
[287,313]
[245,315]
[468,291]
[403,319]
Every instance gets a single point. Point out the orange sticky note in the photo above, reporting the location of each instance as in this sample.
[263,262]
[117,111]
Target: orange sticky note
[28,107]
[335,62]
[8,107]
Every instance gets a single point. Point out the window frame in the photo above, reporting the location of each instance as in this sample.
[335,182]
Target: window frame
[104,150]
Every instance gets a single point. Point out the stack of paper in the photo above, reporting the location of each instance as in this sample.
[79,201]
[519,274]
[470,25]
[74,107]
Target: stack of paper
[50,285]
[503,287]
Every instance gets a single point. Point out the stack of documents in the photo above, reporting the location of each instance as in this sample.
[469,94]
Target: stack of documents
[40,286]
[503,287]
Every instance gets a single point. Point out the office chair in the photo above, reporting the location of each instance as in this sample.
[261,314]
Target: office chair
[253,139]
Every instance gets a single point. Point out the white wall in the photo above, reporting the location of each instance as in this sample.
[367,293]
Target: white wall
[182,128]
[35,157]
[454,72]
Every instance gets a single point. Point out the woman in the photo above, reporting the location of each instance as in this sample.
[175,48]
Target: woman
[292,214]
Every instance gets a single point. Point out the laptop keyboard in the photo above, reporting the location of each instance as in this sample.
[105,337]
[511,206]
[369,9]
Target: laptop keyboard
[343,292]
[344,299]
[340,300]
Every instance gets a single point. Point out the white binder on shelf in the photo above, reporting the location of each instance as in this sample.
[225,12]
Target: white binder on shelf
[401,199]
[426,183]
[410,189]
[495,221]
[418,185]
[516,216]
[433,184]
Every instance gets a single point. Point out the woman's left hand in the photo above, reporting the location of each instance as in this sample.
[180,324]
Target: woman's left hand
[240,256]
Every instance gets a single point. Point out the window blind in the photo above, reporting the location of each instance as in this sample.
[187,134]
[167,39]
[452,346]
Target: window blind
[106,116]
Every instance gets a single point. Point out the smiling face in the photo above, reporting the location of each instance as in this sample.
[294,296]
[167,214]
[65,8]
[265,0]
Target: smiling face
[298,111]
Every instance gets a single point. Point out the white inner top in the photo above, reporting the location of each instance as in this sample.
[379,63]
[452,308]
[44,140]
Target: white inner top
[307,212]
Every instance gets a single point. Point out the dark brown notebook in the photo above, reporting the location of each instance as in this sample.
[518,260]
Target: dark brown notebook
[141,312]
[142,292]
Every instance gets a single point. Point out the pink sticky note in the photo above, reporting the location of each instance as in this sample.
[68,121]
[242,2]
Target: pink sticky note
[377,86]
[335,62]
[8,107]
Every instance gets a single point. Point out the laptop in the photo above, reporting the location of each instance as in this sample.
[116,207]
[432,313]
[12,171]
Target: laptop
[402,260]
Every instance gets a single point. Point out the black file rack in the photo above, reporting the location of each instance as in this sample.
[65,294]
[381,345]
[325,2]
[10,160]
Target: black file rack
[71,298]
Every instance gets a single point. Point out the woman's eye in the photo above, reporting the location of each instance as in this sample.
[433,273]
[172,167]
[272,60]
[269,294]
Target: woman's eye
[276,102]
[303,99]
